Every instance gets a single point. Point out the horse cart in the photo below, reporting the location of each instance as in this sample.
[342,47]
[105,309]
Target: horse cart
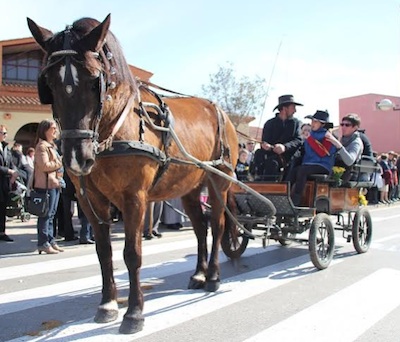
[322,198]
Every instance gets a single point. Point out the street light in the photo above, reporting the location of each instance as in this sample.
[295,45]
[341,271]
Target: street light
[386,105]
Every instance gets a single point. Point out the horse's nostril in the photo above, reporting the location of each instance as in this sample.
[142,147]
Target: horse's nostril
[88,164]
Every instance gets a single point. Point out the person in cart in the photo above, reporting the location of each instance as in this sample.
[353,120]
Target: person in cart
[318,155]
[281,140]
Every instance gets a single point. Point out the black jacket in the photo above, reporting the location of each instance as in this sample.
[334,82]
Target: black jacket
[5,164]
[285,132]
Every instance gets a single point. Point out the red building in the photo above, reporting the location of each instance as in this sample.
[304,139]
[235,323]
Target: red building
[381,127]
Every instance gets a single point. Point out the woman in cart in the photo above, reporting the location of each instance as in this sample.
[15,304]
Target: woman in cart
[318,155]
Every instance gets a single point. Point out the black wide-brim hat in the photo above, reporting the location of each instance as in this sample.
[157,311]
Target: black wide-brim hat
[319,115]
[286,99]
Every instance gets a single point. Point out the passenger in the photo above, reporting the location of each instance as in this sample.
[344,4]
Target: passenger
[350,146]
[242,167]
[318,155]
[305,130]
[281,140]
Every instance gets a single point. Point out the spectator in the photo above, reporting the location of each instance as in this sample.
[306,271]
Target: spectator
[393,186]
[171,215]
[19,162]
[152,219]
[47,163]
[8,175]
[86,232]
[387,179]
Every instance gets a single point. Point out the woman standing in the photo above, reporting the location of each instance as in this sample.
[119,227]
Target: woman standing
[46,176]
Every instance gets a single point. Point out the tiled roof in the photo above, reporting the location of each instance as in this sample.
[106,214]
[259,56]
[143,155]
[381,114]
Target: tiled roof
[19,100]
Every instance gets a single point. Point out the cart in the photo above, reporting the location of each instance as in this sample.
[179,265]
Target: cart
[322,200]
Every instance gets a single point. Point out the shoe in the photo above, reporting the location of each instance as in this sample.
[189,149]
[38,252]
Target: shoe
[47,250]
[57,248]
[174,226]
[156,234]
[74,238]
[148,237]
[86,242]
[5,237]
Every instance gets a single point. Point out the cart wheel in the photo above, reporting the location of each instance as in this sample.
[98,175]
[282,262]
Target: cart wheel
[321,241]
[362,230]
[234,246]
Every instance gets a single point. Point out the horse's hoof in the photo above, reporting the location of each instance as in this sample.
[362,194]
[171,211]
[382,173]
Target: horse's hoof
[196,283]
[131,325]
[105,316]
[212,286]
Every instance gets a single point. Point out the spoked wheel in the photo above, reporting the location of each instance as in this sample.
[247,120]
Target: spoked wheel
[234,242]
[321,241]
[362,230]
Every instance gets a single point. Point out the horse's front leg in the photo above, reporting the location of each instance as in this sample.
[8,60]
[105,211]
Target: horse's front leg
[133,215]
[191,204]
[107,311]
[217,226]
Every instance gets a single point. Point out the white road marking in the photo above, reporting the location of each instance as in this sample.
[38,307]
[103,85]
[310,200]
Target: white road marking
[362,311]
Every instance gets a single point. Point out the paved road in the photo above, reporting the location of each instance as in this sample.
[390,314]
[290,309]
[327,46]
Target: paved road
[272,294]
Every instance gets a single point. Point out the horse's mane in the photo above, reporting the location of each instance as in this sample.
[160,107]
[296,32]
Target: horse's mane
[83,26]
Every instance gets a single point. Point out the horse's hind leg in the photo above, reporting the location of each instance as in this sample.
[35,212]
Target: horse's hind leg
[191,204]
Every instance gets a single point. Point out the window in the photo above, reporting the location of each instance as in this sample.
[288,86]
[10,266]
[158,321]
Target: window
[22,67]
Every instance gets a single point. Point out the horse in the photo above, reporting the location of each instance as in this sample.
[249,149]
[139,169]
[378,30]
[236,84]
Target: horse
[123,143]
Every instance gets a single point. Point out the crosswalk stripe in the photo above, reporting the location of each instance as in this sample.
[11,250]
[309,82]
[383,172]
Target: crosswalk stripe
[81,261]
[167,311]
[362,310]
[16,301]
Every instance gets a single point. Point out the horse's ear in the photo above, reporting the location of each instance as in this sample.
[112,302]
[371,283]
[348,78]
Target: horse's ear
[40,34]
[94,40]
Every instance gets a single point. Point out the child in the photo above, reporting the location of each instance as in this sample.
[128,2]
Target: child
[242,168]
[318,157]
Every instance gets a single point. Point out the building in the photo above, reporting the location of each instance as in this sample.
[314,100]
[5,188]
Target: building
[381,127]
[20,108]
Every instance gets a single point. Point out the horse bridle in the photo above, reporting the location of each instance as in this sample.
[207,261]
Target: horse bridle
[67,54]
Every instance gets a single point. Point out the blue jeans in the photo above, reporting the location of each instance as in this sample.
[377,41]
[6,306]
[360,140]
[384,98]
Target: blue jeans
[86,232]
[45,228]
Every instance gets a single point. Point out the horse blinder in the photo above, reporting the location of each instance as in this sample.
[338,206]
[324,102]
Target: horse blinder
[45,95]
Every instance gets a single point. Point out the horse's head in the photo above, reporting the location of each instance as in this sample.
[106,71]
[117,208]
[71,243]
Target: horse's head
[78,77]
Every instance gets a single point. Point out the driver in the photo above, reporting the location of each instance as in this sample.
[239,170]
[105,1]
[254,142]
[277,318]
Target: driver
[281,140]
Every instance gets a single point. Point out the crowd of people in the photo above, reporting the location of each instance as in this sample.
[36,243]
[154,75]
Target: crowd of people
[291,151]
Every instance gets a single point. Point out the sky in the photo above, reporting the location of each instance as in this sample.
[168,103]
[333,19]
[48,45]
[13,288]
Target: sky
[317,50]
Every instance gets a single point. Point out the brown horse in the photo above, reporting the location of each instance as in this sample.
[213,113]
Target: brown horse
[124,144]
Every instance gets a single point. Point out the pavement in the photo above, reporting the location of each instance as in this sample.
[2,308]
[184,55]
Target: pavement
[25,235]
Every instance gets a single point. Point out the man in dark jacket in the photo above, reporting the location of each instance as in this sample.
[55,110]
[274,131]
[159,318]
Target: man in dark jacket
[281,140]
[8,175]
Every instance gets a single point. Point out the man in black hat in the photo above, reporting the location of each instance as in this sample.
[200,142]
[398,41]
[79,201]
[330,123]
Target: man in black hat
[281,140]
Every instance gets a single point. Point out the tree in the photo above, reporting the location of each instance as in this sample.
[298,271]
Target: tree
[241,98]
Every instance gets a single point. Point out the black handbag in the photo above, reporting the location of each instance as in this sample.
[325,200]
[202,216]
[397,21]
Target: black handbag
[38,202]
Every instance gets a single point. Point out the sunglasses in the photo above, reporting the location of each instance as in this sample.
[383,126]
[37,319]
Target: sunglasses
[4,133]
[346,124]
